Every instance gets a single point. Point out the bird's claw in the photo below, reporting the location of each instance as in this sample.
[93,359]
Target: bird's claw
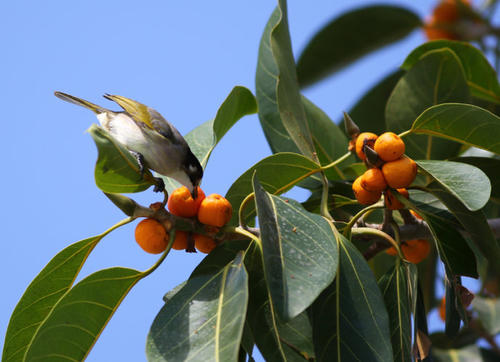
[159,185]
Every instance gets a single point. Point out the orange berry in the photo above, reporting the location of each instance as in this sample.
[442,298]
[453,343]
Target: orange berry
[416,250]
[151,236]
[392,203]
[400,173]
[181,202]
[389,146]
[363,196]
[442,23]
[373,180]
[365,138]
[181,240]
[215,210]
[204,243]
[413,250]
[442,309]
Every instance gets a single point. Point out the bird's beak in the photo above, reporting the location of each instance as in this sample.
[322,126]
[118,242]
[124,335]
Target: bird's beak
[194,193]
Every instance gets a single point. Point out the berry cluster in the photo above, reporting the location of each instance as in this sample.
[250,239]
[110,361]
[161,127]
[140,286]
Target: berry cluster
[213,210]
[388,169]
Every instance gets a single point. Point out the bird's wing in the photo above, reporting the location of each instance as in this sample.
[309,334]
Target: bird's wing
[144,116]
[81,102]
[138,111]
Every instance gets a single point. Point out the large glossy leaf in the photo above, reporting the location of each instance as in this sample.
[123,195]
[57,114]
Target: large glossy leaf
[276,340]
[452,247]
[488,311]
[204,320]
[278,173]
[351,36]
[299,249]
[467,183]
[203,139]
[74,324]
[42,295]
[474,222]
[437,77]
[116,170]
[281,111]
[369,111]
[350,321]
[465,123]
[396,291]
[481,77]
[329,141]
[490,166]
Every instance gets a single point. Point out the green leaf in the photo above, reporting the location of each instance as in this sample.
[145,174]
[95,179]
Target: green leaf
[467,183]
[452,247]
[329,141]
[467,354]
[350,321]
[287,87]
[437,77]
[204,320]
[369,111]
[396,291]
[452,322]
[488,311]
[481,77]
[490,167]
[351,36]
[116,170]
[42,295]
[124,203]
[278,173]
[203,139]
[299,249]
[277,341]
[474,222]
[298,333]
[281,112]
[75,323]
[463,123]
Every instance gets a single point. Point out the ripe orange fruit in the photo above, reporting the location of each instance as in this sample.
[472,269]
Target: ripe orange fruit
[373,180]
[215,210]
[365,138]
[389,146]
[400,173]
[392,203]
[416,250]
[181,202]
[151,236]
[442,309]
[363,196]
[413,250]
[443,21]
[181,240]
[204,243]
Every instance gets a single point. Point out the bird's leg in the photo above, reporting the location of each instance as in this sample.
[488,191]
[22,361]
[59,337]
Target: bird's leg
[159,184]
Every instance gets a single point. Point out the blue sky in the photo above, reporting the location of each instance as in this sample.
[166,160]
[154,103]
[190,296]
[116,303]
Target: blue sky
[181,58]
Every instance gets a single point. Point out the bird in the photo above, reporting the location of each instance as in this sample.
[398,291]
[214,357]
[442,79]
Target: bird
[151,139]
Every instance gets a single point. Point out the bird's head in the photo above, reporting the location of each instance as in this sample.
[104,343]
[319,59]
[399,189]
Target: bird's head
[193,172]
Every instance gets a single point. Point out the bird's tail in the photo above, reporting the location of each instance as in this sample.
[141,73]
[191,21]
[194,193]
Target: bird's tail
[80,102]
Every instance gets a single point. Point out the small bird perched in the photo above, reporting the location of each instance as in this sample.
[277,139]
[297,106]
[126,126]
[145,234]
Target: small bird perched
[154,142]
